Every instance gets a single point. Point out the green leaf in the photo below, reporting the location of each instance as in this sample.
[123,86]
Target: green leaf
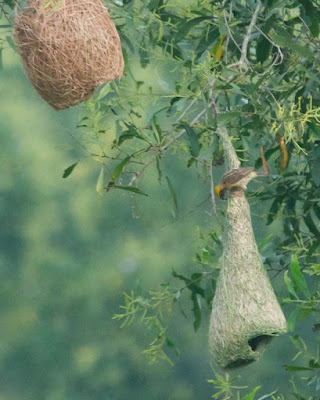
[296,368]
[193,139]
[314,364]
[129,189]
[156,129]
[196,311]
[173,193]
[11,43]
[266,396]
[118,169]
[99,186]
[185,27]
[124,38]
[230,116]
[159,168]
[311,225]
[283,38]
[153,5]
[207,39]
[170,344]
[289,285]
[264,48]
[274,209]
[196,291]
[316,328]
[127,136]
[68,171]
[298,276]
[144,55]
[313,14]
[265,241]
[252,394]
[315,164]
[292,320]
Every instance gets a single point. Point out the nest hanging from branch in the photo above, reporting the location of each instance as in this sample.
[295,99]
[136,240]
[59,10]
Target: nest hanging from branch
[68,48]
[245,311]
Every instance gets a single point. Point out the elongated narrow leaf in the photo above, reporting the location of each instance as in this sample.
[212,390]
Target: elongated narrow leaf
[265,241]
[185,27]
[68,171]
[193,140]
[173,193]
[128,134]
[289,285]
[144,55]
[129,189]
[11,42]
[251,395]
[292,320]
[175,349]
[118,169]
[196,309]
[156,129]
[99,186]
[311,225]
[264,48]
[159,168]
[283,38]
[296,368]
[298,277]
[274,209]
[267,396]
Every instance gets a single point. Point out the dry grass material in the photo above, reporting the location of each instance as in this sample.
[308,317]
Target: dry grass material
[245,314]
[245,311]
[68,48]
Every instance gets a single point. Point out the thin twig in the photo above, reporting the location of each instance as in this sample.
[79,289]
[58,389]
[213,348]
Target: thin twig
[230,33]
[244,48]
[186,110]
[142,170]
[249,32]
[277,57]
[183,131]
[213,199]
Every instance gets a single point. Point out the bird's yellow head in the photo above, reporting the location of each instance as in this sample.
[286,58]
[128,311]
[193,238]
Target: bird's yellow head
[221,192]
[217,190]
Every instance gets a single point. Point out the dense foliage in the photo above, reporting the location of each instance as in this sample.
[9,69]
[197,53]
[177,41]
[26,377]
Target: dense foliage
[192,66]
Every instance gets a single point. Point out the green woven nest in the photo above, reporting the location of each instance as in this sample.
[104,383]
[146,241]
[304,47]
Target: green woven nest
[68,48]
[245,312]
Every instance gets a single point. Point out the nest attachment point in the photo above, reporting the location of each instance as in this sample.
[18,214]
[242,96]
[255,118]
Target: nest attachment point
[68,48]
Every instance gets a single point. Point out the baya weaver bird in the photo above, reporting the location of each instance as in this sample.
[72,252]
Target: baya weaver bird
[235,179]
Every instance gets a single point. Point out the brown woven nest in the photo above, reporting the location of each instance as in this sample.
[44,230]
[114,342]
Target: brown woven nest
[68,47]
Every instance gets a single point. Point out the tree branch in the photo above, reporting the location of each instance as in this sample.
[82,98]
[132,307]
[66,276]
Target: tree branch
[213,199]
[245,43]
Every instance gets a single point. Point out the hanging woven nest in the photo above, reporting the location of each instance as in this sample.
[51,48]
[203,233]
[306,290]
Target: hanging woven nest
[245,311]
[68,48]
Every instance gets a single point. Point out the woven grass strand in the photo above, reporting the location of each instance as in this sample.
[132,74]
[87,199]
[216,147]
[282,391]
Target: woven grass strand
[245,311]
[68,48]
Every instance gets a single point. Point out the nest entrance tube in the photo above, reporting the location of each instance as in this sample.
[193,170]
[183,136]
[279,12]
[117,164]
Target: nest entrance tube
[245,314]
[258,342]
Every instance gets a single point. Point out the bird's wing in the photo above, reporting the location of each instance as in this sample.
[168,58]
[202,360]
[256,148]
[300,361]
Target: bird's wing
[235,175]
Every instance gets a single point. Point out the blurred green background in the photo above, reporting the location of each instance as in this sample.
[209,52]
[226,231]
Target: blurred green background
[67,256]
